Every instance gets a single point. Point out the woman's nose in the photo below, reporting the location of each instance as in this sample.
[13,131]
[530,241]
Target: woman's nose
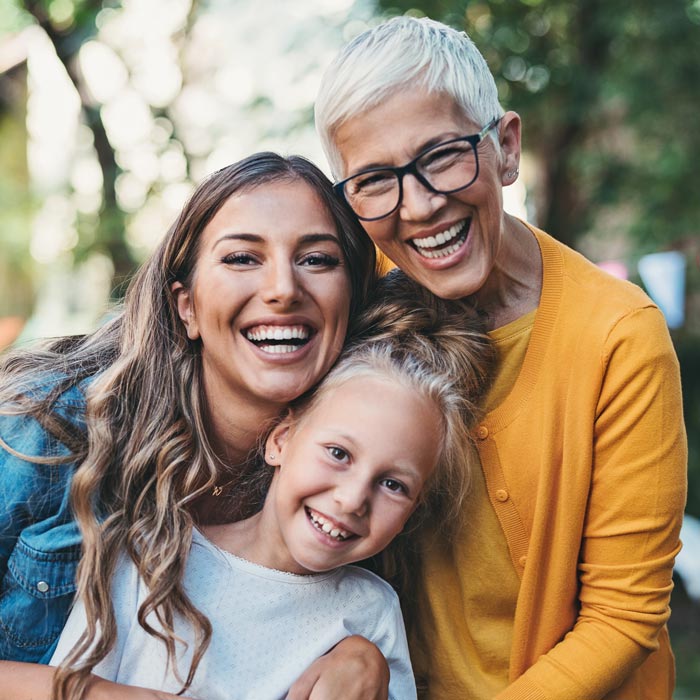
[418,203]
[281,286]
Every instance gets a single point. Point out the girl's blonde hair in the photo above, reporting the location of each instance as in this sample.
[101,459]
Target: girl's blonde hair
[437,349]
[142,452]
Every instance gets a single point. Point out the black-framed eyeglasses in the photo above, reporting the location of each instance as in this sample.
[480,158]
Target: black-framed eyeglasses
[445,168]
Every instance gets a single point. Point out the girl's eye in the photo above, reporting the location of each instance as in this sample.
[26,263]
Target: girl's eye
[393,485]
[338,453]
[238,259]
[321,260]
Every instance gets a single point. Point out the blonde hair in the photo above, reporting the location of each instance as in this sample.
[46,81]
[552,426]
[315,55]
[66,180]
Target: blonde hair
[403,53]
[439,349]
[144,455]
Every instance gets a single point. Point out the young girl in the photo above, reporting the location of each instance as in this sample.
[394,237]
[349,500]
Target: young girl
[385,431]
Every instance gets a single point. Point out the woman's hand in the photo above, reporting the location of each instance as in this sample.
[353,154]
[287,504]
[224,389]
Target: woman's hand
[27,681]
[353,670]
[101,689]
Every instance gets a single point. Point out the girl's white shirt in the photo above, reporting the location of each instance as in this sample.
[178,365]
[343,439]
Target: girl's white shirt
[268,627]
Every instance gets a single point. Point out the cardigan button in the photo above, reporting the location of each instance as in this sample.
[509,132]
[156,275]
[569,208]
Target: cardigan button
[42,587]
[501,495]
[523,560]
[482,432]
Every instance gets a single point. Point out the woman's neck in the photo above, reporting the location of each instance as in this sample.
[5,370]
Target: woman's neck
[234,424]
[514,285]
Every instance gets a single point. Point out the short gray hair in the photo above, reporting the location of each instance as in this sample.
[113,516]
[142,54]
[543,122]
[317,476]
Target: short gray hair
[399,53]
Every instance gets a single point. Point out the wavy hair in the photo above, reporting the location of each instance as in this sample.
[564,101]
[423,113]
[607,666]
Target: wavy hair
[145,455]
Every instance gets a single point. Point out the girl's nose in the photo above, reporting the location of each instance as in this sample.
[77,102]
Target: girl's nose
[418,202]
[353,497]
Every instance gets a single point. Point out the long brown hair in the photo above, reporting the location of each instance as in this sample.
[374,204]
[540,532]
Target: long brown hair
[146,454]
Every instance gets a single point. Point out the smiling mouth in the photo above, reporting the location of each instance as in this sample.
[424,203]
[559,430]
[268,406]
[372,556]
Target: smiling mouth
[279,340]
[444,243]
[327,527]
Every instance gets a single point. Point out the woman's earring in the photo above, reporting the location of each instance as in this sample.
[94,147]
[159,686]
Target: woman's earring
[513,174]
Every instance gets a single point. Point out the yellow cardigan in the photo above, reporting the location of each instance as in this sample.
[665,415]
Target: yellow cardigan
[585,465]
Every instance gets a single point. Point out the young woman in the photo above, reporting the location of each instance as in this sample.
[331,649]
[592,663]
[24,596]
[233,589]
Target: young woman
[123,439]
[559,587]
[384,437]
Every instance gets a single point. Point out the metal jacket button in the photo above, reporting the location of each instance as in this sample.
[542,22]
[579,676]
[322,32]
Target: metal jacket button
[42,587]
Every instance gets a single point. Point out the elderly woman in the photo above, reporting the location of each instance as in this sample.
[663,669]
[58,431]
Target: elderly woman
[558,588]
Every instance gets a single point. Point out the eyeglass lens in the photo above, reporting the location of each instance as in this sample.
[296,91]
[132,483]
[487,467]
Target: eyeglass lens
[446,168]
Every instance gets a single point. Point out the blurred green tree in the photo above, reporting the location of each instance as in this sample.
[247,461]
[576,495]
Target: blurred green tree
[608,94]
[69,25]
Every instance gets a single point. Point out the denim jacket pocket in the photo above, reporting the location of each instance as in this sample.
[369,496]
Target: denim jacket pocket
[35,598]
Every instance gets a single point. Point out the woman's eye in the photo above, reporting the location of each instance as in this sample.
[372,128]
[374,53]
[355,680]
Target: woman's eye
[338,453]
[320,260]
[446,157]
[238,259]
[393,485]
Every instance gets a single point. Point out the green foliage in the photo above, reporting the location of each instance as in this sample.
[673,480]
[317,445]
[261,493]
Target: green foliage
[608,94]
[12,17]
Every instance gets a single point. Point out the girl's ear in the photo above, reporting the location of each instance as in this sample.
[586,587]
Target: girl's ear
[275,443]
[185,309]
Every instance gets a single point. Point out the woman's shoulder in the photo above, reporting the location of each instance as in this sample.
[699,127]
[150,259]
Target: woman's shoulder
[574,282]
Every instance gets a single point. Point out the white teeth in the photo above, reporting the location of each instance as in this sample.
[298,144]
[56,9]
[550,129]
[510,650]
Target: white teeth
[278,349]
[325,526]
[440,253]
[423,244]
[259,333]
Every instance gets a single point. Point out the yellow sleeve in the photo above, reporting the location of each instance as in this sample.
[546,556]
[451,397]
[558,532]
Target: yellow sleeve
[633,519]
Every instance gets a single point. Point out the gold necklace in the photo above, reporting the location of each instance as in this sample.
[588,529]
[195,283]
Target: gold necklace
[219,488]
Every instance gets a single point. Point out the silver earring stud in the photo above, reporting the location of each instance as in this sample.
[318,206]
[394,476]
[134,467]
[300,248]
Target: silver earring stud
[513,173]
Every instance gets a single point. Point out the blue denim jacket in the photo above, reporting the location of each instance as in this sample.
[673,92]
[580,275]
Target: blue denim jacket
[39,539]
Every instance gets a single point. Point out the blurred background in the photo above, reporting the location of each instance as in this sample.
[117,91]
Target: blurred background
[110,111]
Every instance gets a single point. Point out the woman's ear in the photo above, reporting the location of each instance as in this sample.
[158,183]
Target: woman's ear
[275,443]
[185,309]
[509,139]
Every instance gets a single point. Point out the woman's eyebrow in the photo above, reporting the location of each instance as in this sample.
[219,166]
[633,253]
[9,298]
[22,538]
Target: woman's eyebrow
[319,238]
[423,146]
[249,237]
[256,238]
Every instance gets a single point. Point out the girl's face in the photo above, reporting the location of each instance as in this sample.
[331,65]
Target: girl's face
[349,474]
[270,296]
